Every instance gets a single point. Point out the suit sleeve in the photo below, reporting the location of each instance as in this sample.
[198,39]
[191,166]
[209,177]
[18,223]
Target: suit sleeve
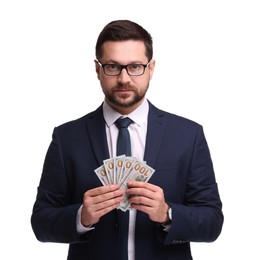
[54,216]
[199,218]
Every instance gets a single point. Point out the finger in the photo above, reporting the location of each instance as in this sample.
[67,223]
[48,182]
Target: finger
[103,211]
[102,198]
[153,209]
[108,203]
[140,184]
[140,200]
[91,207]
[92,215]
[102,190]
[141,192]
[108,196]
[144,208]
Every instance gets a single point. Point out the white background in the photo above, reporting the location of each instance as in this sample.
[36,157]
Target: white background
[205,68]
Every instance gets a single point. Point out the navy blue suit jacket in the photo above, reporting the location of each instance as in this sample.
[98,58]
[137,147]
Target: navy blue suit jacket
[175,147]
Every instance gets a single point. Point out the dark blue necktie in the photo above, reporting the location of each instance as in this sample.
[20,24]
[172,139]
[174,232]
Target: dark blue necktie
[123,140]
[123,147]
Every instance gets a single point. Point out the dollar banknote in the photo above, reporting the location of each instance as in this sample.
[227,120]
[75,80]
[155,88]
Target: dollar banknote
[139,172]
[122,169]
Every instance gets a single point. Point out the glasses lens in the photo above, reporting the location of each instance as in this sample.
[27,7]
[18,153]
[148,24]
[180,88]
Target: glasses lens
[112,69]
[135,69]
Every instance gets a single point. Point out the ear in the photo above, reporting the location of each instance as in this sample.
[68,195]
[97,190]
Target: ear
[151,68]
[97,69]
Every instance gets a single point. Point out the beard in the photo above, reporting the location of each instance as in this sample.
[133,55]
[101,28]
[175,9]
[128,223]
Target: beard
[125,99]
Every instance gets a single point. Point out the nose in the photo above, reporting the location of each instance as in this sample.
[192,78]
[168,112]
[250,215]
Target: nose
[123,77]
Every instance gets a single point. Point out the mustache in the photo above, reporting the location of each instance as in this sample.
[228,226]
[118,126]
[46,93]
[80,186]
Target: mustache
[123,86]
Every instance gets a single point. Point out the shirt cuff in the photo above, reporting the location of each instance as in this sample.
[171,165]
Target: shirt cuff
[80,228]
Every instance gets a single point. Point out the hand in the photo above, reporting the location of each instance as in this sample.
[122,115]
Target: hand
[98,202]
[148,198]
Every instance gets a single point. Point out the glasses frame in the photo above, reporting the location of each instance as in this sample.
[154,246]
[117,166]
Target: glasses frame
[123,67]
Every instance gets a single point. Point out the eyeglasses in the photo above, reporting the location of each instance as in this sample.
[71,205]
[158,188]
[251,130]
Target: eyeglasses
[116,69]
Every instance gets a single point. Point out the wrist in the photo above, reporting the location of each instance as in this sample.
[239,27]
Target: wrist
[167,220]
[85,223]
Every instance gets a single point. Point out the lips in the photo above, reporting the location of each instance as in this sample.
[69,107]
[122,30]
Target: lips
[123,90]
[123,93]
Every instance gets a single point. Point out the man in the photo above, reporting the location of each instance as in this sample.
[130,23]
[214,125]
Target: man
[178,205]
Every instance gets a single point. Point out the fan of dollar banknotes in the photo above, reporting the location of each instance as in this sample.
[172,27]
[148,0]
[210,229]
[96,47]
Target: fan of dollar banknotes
[122,169]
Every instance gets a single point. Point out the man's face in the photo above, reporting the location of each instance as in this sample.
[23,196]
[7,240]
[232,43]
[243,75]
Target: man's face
[124,92]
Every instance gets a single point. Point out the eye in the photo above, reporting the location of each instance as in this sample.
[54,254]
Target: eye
[134,67]
[112,67]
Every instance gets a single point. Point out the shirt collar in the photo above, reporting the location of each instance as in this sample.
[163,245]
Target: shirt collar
[138,116]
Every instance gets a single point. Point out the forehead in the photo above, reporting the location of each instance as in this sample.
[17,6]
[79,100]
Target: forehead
[124,51]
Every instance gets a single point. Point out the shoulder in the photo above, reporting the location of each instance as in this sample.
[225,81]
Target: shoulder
[171,119]
[80,123]
[176,128]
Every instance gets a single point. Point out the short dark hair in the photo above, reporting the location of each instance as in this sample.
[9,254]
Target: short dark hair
[123,30]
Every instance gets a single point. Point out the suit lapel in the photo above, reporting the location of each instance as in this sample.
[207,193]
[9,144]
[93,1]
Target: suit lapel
[155,130]
[97,134]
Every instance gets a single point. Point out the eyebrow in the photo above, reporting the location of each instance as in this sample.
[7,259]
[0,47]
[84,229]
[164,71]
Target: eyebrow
[115,62]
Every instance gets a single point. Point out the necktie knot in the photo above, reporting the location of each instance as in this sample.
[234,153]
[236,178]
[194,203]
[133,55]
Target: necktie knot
[123,122]
[123,140]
